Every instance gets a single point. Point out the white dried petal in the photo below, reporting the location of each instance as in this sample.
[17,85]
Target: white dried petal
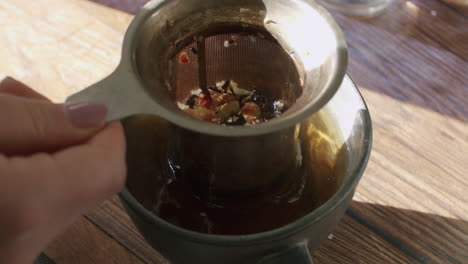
[182,106]
[237,90]
[220,84]
[226,43]
[196,92]
[278,105]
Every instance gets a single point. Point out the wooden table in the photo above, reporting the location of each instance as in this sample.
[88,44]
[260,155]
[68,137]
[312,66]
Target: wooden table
[411,65]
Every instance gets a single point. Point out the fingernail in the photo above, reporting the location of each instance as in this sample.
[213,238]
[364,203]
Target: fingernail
[86,114]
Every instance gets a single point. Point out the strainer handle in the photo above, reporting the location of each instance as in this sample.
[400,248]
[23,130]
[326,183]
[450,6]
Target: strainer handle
[121,93]
[298,255]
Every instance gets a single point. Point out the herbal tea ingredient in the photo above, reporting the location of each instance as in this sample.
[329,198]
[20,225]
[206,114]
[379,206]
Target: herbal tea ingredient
[227,104]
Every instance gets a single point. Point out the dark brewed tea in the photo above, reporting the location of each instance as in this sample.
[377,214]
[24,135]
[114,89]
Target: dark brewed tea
[168,191]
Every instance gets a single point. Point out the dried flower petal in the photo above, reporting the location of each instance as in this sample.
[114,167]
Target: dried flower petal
[184,58]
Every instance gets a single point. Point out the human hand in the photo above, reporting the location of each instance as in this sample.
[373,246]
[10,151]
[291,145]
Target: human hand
[56,162]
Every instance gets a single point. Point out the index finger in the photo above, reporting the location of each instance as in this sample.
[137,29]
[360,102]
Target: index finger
[14,87]
[43,194]
[69,181]
[97,169]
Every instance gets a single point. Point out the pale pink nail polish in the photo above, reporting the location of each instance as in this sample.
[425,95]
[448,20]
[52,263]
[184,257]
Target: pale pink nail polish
[86,114]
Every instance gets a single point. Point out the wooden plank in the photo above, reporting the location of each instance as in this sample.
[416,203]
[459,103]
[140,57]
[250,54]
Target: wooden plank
[418,160]
[372,233]
[409,60]
[130,6]
[84,242]
[352,242]
[60,47]
[113,219]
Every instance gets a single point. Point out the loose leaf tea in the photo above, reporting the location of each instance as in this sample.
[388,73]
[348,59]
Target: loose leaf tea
[227,104]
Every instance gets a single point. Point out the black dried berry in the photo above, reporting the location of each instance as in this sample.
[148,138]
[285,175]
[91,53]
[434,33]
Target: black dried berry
[215,89]
[194,50]
[267,115]
[258,97]
[191,101]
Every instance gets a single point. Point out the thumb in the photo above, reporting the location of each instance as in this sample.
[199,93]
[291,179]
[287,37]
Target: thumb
[39,126]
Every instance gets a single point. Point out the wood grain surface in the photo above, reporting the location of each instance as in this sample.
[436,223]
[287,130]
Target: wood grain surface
[411,66]
[85,242]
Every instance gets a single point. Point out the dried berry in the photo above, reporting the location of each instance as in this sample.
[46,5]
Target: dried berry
[194,50]
[191,101]
[258,97]
[251,113]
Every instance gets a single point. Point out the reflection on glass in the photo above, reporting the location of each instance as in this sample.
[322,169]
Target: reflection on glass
[357,7]
[457,3]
